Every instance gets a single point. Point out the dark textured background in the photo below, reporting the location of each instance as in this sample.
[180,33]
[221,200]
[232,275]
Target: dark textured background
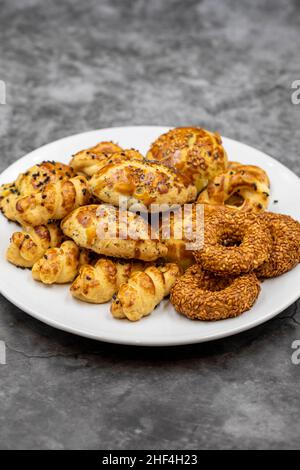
[72,66]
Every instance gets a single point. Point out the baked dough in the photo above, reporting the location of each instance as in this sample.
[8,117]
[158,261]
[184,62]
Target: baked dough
[194,152]
[241,187]
[183,230]
[58,265]
[285,253]
[32,181]
[98,284]
[109,231]
[201,295]
[144,291]
[176,230]
[141,184]
[89,161]
[53,203]
[27,247]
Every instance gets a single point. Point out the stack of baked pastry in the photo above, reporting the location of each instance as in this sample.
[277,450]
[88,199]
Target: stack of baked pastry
[87,224]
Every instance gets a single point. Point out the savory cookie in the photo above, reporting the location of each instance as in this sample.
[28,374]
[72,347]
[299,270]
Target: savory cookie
[86,160]
[28,246]
[58,265]
[54,202]
[141,184]
[89,161]
[97,284]
[34,180]
[109,231]
[194,152]
[144,291]
[241,187]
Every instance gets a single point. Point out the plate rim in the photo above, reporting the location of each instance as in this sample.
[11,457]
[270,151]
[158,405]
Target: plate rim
[184,339]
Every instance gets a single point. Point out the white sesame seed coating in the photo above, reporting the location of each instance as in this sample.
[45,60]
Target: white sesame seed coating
[200,295]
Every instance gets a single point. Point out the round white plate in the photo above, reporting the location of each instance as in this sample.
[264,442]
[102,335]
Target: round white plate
[56,307]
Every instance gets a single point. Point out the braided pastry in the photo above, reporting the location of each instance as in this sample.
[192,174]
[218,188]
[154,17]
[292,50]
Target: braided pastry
[98,284]
[54,202]
[32,181]
[8,199]
[194,152]
[141,184]
[144,291]
[90,162]
[27,247]
[58,265]
[109,231]
[241,187]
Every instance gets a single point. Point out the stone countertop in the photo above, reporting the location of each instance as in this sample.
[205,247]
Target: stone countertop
[71,66]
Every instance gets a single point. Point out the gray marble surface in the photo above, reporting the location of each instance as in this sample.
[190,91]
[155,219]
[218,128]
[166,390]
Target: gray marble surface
[71,66]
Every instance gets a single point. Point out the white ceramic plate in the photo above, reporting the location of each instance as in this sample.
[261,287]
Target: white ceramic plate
[55,306]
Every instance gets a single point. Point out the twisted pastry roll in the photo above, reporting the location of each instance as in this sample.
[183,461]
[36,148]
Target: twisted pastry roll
[141,184]
[109,231]
[144,291]
[32,181]
[87,257]
[27,247]
[241,187]
[53,203]
[58,265]
[194,152]
[8,199]
[90,160]
[98,284]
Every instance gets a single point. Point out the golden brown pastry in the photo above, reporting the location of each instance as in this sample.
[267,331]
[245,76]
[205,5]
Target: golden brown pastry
[109,231]
[8,202]
[241,187]
[54,202]
[175,229]
[144,291]
[27,247]
[194,152]
[58,265]
[98,284]
[183,230]
[32,181]
[90,162]
[87,257]
[141,184]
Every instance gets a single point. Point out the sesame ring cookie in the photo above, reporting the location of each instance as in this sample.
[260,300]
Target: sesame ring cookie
[200,295]
[234,243]
[285,254]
